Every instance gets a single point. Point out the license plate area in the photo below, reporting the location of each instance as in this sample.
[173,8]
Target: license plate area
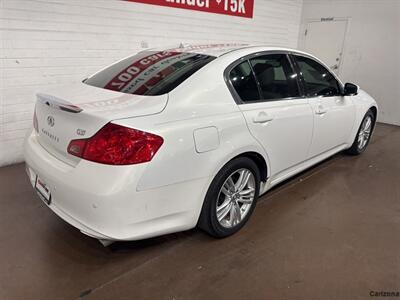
[42,190]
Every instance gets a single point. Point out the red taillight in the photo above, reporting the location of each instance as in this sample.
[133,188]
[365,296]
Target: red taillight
[76,147]
[117,145]
[35,121]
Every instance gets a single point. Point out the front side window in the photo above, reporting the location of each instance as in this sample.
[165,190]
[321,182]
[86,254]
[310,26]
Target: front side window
[149,73]
[318,81]
[242,79]
[275,76]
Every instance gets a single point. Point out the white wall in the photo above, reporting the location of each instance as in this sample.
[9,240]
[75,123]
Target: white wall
[372,47]
[52,42]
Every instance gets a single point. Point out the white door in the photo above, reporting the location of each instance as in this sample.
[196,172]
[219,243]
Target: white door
[284,128]
[277,117]
[325,40]
[334,114]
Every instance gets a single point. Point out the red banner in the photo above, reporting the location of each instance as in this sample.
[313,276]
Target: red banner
[239,8]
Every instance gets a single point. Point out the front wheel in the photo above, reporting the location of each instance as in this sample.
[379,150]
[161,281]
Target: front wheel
[363,135]
[231,198]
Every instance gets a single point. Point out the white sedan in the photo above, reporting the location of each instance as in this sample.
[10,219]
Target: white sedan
[165,140]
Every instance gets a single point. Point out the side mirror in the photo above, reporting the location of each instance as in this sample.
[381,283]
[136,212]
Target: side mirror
[350,89]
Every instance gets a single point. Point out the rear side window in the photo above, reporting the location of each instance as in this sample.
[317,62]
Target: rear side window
[242,79]
[318,81]
[149,73]
[275,76]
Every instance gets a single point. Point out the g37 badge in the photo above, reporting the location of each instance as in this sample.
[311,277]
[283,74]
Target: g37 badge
[80,131]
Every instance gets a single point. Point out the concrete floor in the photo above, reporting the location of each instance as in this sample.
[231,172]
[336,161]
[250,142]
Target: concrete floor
[332,232]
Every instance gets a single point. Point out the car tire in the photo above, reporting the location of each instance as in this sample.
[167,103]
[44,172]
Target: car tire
[232,195]
[363,135]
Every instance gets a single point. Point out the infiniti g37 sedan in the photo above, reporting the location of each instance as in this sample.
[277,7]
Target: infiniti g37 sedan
[167,140]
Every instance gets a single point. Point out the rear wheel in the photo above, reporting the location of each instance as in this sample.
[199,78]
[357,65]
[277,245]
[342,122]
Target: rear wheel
[363,135]
[231,198]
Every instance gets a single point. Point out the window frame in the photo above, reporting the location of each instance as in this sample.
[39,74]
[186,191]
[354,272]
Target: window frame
[231,87]
[301,80]
[247,58]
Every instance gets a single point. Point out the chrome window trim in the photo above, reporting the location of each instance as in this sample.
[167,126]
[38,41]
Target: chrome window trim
[247,58]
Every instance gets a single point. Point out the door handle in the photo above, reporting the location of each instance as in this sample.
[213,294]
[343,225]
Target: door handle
[321,110]
[262,117]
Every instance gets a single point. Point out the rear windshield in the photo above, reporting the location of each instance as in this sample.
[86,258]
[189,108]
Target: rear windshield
[149,73]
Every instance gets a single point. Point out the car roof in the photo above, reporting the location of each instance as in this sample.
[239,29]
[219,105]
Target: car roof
[223,48]
[209,49]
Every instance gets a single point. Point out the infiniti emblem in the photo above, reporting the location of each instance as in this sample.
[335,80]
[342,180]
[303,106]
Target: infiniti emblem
[50,121]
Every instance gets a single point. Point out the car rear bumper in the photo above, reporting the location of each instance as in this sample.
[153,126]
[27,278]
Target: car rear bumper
[102,201]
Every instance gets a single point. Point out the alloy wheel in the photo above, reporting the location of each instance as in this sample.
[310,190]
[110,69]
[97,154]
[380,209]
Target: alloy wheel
[365,132]
[235,198]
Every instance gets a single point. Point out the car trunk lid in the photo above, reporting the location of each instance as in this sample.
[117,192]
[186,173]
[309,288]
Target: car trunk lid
[79,111]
